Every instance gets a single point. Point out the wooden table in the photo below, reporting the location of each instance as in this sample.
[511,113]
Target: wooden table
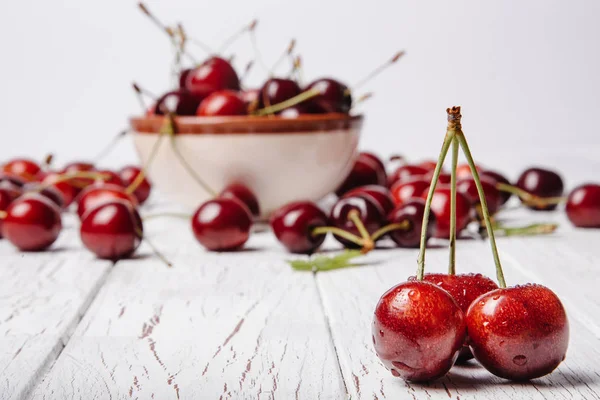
[245,325]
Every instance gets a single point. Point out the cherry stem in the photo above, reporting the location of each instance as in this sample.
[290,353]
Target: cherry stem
[309,94]
[182,160]
[484,208]
[143,91]
[368,243]
[155,250]
[297,69]
[257,53]
[229,41]
[70,176]
[529,230]
[323,230]
[362,99]
[288,52]
[3,214]
[48,160]
[167,214]
[528,198]
[398,226]
[144,170]
[246,71]
[376,72]
[452,263]
[111,145]
[434,181]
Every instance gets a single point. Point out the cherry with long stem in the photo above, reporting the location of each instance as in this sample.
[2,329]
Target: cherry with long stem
[528,198]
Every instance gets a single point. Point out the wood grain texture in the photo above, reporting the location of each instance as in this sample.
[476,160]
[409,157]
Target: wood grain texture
[42,298]
[233,325]
[350,297]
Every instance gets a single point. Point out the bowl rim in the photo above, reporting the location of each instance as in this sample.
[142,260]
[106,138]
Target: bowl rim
[243,124]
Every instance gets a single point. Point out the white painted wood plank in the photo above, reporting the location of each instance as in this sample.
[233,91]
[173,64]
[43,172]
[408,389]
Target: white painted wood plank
[350,296]
[232,325]
[42,298]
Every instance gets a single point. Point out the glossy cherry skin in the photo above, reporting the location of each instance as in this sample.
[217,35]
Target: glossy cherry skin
[212,75]
[380,194]
[11,180]
[583,206]
[23,168]
[222,224]
[418,330]
[49,192]
[440,206]
[374,158]
[183,75]
[243,194]
[222,103]
[7,195]
[499,178]
[412,211]
[66,189]
[32,223]
[464,289]
[112,231]
[364,172]
[518,333]
[542,183]
[333,97]
[178,102]
[294,223]
[407,190]
[128,175]
[92,196]
[468,187]
[406,172]
[277,90]
[369,212]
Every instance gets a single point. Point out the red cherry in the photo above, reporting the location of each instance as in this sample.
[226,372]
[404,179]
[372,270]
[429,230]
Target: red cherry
[223,102]
[583,206]
[300,109]
[250,96]
[222,224]
[412,211]
[468,187]
[49,192]
[369,212]
[440,205]
[380,194]
[444,178]
[418,330]
[32,222]
[22,168]
[542,183]
[212,75]
[404,191]
[11,180]
[499,178]
[92,196]
[374,158]
[428,165]
[294,223]
[178,102]
[243,194]
[8,193]
[79,166]
[66,189]
[333,97]
[518,333]
[183,75]
[112,230]
[364,172]
[108,177]
[277,90]
[128,175]
[405,172]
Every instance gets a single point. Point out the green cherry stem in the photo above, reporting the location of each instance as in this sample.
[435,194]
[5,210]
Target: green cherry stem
[368,243]
[155,250]
[309,94]
[323,230]
[434,180]
[528,198]
[484,208]
[529,230]
[452,263]
[398,226]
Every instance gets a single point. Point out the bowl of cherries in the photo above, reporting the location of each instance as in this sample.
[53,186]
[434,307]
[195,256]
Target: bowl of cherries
[285,139]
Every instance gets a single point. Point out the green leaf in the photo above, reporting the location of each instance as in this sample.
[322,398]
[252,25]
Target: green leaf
[324,263]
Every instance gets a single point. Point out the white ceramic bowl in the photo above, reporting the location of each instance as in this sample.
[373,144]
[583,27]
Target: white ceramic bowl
[280,160]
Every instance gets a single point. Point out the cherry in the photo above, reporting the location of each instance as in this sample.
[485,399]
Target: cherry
[583,206]
[405,172]
[406,190]
[366,210]
[464,289]
[66,189]
[428,165]
[178,102]
[444,178]
[364,172]
[128,175]
[333,97]
[222,224]
[542,183]
[212,75]
[380,194]
[300,109]
[499,178]
[374,158]
[183,75]
[468,187]
[413,212]
[243,194]
[92,196]
[518,333]
[112,230]
[293,225]
[440,205]
[418,330]
[49,192]
[22,168]
[79,166]
[32,222]
[250,96]
[108,177]
[277,90]
[11,180]
[8,193]
[223,102]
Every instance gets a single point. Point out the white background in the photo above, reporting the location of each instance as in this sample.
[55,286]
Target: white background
[527,73]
